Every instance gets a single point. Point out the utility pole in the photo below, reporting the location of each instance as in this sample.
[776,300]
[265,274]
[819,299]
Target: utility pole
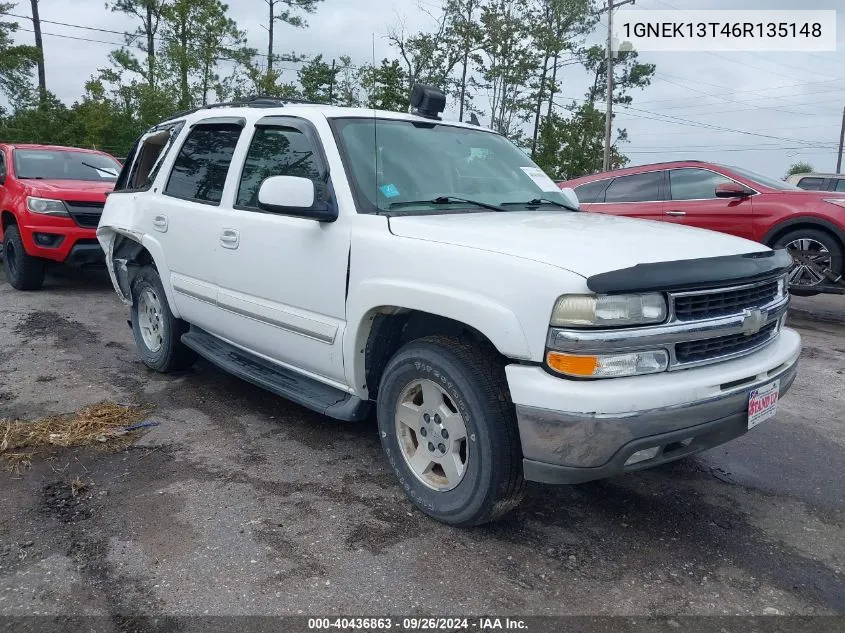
[841,143]
[331,84]
[42,78]
[608,124]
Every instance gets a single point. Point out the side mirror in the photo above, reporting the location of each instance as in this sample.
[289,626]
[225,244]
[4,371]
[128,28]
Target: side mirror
[731,190]
[571,197]
[293,195]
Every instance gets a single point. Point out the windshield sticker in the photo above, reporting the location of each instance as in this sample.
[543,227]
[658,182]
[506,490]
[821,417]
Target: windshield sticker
[540,179]
[389,191]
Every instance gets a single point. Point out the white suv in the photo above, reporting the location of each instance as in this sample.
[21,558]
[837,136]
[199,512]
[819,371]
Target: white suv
[352,260]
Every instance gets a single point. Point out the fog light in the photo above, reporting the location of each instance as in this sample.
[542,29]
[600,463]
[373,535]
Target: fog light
[642,456]
[48,239]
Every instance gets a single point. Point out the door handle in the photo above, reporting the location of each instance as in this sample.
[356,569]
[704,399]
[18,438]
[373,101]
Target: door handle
[230,238]
[676,214]
[160,223]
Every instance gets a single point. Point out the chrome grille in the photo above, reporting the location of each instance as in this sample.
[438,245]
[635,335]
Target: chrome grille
[85,214]
[711,304]
[709,348]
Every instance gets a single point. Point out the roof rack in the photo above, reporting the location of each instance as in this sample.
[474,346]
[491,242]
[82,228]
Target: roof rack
[254,101]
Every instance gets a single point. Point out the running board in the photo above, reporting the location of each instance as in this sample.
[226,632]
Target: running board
[283,382]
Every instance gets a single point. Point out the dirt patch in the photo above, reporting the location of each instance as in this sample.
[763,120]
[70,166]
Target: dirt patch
[43,323]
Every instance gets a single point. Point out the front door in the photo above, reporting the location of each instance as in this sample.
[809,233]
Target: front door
[692,201]
[282,279]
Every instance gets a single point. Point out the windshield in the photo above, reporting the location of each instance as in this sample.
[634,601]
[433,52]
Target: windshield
[394,162]
[771,183]
[65,165]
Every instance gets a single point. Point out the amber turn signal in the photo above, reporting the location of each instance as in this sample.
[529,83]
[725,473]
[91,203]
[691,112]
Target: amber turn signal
[572,365]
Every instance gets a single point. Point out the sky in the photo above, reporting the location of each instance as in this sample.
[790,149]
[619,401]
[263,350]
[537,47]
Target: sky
[761,111]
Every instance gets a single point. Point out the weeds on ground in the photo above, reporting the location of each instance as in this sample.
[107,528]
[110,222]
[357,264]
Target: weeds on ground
[101,424]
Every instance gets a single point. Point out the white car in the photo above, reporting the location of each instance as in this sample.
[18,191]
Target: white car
[352,260]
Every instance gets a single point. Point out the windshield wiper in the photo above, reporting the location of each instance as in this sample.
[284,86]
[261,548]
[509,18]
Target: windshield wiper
[446,200]
[110,172]
[536,202]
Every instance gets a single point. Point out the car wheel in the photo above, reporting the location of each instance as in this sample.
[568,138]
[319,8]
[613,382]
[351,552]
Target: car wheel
[817,247]
[449,430]
[23,271]
[158,334]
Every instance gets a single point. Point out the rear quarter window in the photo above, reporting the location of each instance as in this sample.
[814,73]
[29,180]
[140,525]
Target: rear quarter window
[592,191]
[811,184]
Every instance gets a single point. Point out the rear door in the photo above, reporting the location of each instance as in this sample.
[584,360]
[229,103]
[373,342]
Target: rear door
[185,215]
[692,201]
[633,195]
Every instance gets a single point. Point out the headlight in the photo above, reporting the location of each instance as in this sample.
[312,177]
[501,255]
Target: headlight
[608,310]
[608,365]
[46,206]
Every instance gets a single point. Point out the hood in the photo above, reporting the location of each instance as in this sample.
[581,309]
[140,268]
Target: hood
[87,190]
[584,243]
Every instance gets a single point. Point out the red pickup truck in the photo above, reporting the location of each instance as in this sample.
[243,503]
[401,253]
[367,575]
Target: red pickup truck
[51,199]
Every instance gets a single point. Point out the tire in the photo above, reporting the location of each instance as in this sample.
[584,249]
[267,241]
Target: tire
[23,271]
[158,334]
[816,240]
[472,378]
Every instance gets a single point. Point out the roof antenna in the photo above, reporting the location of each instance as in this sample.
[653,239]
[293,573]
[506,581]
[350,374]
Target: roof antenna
[375,126]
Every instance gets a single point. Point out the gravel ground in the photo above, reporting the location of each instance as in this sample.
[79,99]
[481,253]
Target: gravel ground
[242,503]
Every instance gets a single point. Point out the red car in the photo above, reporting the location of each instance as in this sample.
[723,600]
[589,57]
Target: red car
[730,200]
[51,199]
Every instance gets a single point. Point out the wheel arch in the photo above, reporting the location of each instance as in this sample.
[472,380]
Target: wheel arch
[385,329]
[128,252]
[804,222]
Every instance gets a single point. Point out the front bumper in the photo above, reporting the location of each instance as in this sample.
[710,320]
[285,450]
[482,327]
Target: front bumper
[74,247]
[576,431]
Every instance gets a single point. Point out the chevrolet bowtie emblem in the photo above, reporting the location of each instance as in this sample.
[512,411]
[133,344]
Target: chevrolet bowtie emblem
[753,321]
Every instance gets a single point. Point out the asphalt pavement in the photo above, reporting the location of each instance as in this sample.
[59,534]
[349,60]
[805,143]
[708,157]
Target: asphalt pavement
[242,503]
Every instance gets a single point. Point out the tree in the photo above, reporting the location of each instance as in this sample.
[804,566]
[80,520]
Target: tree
[799,168]
[386,85]
[572,146]
[16,63]
[562,24]
[42,75]
[148,12]
[505,62]
[291,14]
[317,79]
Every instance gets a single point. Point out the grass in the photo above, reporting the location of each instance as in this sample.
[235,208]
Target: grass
[100,424]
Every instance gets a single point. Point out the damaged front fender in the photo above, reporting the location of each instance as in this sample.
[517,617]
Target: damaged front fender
[121,247]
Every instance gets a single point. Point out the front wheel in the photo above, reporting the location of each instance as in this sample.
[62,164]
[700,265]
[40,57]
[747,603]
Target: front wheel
[449,430]
[23,271]
[158,334]
[815,247]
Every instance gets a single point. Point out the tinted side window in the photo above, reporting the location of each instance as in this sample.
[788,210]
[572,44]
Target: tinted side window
[277,151]
[840,185]
[695,184]
[199,172]
[592,191]
[811,184]
[634,188]
[2,166]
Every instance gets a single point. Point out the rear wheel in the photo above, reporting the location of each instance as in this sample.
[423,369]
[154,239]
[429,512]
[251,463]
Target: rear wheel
[23,271]
[813,251]
[449,430]
[158,334]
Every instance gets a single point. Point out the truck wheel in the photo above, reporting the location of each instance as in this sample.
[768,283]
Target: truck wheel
[23,271]
[449,430]
[158,334]
[818,247]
